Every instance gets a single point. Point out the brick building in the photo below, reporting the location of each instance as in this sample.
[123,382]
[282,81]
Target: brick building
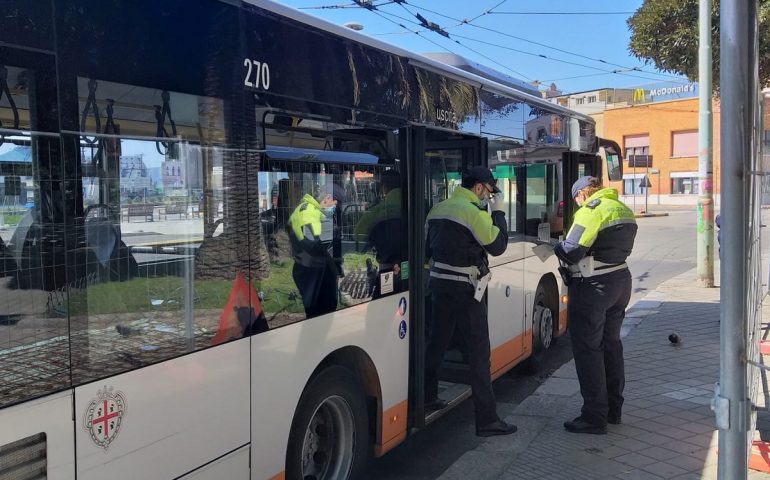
[668,131]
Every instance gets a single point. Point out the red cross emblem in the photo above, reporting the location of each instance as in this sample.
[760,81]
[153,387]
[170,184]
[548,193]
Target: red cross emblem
[104,416]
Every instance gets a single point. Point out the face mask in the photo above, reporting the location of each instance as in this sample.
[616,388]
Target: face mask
[484,202]
[329,211]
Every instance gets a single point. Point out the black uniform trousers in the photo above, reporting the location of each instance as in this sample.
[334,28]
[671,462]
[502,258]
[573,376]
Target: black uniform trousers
[461,310]
[318,288]
[597,306]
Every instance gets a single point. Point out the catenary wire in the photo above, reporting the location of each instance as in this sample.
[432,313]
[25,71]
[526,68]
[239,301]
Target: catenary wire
[491,30]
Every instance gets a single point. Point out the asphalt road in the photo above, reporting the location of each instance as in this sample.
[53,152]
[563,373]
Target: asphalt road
[664,248]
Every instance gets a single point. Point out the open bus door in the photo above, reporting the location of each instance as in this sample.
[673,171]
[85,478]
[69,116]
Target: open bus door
[438,159]
[606,164]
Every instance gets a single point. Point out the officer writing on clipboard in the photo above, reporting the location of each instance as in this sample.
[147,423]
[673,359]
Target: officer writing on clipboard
[595,251]
[460,234]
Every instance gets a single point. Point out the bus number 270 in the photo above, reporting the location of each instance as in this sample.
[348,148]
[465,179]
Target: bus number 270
[257,74]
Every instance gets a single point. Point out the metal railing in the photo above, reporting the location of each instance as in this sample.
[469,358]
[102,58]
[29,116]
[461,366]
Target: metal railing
[741,296]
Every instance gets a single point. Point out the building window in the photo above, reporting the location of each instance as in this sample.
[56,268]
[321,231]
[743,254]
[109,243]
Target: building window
[632,184]
[636,145]
[580,101]
[562,102]
[684,144]
[592,99]
[685,185]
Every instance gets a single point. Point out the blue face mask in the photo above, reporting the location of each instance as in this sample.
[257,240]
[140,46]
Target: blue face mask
[329,211]
[484,202]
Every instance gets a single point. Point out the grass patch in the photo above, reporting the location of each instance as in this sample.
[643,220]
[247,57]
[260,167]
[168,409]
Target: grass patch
[278,292]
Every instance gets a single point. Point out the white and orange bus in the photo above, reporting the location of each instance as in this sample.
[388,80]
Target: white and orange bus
[151,153]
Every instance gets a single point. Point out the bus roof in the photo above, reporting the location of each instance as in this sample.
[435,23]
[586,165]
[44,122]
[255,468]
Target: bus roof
[415,58]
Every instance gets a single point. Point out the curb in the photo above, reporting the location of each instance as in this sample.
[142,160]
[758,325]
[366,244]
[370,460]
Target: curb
[645,215]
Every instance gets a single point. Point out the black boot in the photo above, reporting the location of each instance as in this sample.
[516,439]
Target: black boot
[581,425]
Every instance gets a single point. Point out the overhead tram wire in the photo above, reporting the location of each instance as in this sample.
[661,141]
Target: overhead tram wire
[432,27]
[487,12]
[519,74]
[345,5]
[492,30]
[444,33]
[562,13]
[616,71]
[591,75]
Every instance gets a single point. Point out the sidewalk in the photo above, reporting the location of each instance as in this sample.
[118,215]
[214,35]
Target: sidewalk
[668,428]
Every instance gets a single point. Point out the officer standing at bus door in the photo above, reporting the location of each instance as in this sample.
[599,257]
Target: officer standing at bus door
[315,272]
[460,234]
[595,250]
[380,227]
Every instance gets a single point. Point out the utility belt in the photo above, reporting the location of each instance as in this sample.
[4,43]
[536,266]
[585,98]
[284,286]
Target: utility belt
[477,277]
[588,267]
[309,261]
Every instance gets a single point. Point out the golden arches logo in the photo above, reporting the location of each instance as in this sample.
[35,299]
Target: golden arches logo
[638,95]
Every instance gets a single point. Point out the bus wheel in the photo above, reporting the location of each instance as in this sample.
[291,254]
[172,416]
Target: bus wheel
[542,331]
[329,436]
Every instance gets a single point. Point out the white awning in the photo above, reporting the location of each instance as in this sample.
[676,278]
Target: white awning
[632,176]
[683,174]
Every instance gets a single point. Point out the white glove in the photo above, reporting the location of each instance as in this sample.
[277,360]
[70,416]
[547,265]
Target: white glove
[497,202]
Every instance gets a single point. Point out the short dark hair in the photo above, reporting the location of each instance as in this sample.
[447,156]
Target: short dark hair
[469,182]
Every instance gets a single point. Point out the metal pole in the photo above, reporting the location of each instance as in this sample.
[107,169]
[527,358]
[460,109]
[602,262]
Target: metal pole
[646,186]
[705,212]
[737,98]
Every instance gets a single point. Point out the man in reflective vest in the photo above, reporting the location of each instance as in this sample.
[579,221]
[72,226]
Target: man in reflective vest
[380,227]
[460,234]
[595,251]
[315,271]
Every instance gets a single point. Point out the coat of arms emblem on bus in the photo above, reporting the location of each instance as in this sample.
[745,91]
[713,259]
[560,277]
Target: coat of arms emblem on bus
[104,416]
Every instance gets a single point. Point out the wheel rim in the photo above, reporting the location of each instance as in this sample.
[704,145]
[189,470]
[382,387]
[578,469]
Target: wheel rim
[546,325]
[327,451]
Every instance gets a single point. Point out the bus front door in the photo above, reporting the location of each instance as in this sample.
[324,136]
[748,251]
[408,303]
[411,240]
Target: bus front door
[442,156]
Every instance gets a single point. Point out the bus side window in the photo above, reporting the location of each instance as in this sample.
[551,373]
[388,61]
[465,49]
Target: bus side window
[331,215]
[164,229]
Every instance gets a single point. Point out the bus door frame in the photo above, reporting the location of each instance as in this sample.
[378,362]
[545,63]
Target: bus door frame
[571,162]
[414,149]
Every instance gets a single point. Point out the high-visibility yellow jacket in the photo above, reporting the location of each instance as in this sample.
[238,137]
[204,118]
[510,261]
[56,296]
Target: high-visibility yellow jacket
[305,233]
[461,233]
[604,227]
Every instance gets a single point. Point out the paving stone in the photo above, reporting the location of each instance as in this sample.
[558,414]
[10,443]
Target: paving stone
[559,386]
[664,470]
[658,453]
[635,459]
[668,428]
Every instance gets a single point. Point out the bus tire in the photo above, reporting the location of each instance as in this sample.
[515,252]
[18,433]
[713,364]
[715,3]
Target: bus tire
[542,330]
[329,437]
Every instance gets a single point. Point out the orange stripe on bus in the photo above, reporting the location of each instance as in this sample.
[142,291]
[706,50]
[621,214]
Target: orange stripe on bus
[279,476]
[504,357]
[393,429]
[562,322]
[380,450]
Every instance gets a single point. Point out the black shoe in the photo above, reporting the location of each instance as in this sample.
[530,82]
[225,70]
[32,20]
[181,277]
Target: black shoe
[581,425]
[434,405]
[495,428]
[614,419]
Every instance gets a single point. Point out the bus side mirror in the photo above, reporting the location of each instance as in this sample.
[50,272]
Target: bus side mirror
[609,151]
[614,167]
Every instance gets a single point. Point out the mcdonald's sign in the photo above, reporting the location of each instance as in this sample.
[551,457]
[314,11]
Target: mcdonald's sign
[638,95]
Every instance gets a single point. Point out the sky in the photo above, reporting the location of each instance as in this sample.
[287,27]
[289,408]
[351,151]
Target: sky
[574,44]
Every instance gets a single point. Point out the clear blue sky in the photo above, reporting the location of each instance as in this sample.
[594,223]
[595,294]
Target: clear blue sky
[598,37]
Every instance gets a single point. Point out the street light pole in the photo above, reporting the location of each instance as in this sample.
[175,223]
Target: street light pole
[705,221]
